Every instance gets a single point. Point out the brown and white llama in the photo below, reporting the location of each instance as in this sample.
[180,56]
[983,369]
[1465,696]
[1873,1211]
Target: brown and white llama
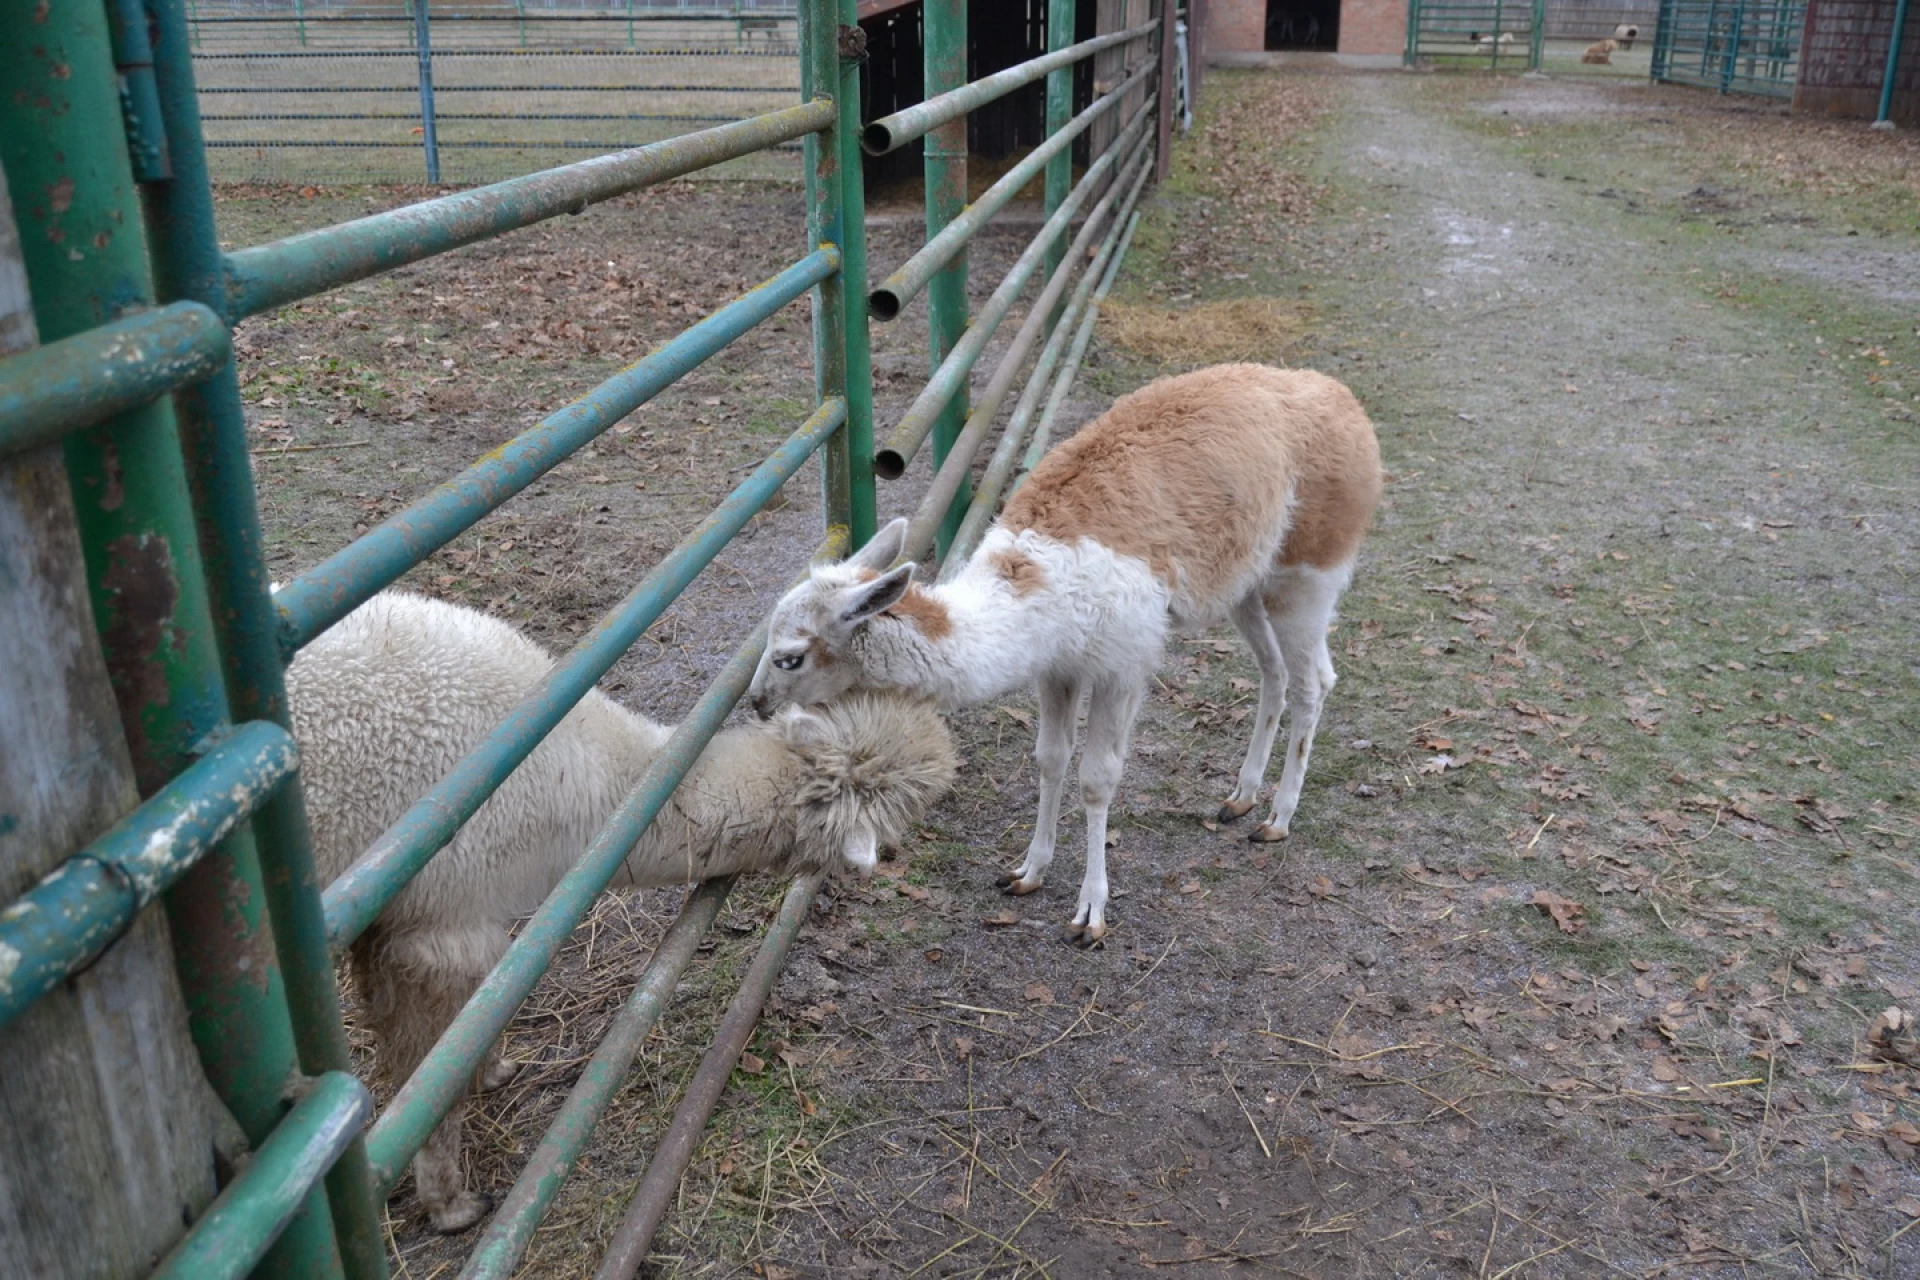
[1238,491]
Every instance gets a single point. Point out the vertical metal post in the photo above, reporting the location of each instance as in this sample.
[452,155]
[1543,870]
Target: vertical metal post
[63,145]
[1058,112]
[1498,18]
[1197,43]
[1536,43]
[520,20]
[944,25]
[1730,59]
[1881,117]
[1060,23]
[1413,32]
[300,19]
[423,49]
[830,55]
[1163,144]
[629,24]
[1662,41]
[212,424]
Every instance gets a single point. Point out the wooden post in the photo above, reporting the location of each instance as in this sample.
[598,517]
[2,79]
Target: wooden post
[107,1126]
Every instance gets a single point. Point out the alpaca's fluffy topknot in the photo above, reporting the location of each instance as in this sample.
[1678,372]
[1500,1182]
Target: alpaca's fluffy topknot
[871,759]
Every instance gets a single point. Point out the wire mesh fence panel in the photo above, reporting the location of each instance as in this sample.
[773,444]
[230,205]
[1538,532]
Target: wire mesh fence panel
[1735,46]
[1497,35]
[337,91]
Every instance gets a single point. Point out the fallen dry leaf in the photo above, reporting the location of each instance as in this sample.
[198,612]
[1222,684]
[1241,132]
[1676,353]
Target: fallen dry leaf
[1565,911]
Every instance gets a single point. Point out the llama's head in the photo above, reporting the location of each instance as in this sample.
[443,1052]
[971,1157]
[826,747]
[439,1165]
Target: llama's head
[806,661]
[870,764]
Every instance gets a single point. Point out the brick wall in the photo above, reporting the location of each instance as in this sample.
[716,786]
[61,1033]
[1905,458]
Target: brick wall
[1373,26]
[1236,26]
[1844,55]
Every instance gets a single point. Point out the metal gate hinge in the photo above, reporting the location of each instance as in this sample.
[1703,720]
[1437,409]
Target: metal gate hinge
[132,26]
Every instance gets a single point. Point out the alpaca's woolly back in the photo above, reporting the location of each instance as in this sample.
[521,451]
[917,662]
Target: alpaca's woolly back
[393,697]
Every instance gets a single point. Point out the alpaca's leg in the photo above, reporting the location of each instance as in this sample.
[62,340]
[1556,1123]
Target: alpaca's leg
[1111,712]
[1052,750]
[1250,617]
[414,984]
[1301,607]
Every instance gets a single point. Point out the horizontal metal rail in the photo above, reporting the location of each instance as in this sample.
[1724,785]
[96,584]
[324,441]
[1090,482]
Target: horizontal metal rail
[265,144]
[1078,320]
[46,392]
[271,275]
[443,1076]
[60,925]
[655,1194]
[939,497]
[658,51]
[891,132]
[241,1225]
[494,88]
[893,293]
[462,115]
[315,600]
[891,459]
[354,900]
[513,1224]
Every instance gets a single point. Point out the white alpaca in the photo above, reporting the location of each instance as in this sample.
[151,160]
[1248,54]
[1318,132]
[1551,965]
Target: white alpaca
[1238,491]
[392,697]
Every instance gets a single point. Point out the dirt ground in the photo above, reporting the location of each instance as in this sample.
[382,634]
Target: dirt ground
[1604,873]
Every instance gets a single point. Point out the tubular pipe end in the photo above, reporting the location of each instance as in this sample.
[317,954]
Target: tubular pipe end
[889,464]
[876,140]
[883,304]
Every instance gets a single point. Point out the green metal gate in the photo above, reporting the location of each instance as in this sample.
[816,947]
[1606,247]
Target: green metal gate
[135,394]
[1735,46]
[1491,34]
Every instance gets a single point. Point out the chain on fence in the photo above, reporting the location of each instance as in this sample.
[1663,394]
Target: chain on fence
[330,91]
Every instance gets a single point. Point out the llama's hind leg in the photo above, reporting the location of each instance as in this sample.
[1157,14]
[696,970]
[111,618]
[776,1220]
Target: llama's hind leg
[1052,751]
[1250,618]
[1110,715]
[1301,607]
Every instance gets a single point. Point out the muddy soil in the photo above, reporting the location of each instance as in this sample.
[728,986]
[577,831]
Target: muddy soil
[1605,866]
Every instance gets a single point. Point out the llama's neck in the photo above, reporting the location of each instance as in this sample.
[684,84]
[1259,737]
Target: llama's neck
[977,637]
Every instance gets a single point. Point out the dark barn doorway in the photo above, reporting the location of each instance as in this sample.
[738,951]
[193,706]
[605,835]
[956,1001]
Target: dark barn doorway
[1303,24]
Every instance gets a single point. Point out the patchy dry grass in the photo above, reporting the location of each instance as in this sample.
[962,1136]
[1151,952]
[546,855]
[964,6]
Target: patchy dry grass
[1205,333]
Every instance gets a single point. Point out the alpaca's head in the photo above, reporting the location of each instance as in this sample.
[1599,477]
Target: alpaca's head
[807,662]
[870,764]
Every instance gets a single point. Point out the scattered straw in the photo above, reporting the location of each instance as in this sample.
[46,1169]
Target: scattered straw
[1261,329]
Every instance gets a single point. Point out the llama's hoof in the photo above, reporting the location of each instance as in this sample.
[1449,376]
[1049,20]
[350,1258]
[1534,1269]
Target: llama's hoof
[1016,886]
[496,1075]
[1266,833]
[1235,809]
[1084,937]
[463,1212]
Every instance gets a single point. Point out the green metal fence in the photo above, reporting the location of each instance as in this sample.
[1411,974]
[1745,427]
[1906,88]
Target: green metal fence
[1497,35]
[134,298]
[1735,46]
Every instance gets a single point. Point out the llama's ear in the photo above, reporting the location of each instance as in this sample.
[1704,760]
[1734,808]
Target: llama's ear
[858,603]
[883,549]
[862,850]
[803,728]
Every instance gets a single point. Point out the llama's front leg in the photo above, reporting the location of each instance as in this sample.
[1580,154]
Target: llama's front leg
[1313,679]
[1250,618]
[1110,716]
[1052,750]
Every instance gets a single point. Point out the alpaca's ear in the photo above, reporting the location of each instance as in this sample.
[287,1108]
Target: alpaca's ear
[883,549]
[862,850]
[858,603]
[803,728]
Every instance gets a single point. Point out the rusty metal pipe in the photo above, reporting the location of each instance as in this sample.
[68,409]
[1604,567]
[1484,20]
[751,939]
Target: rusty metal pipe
[655,1193]
[271,275]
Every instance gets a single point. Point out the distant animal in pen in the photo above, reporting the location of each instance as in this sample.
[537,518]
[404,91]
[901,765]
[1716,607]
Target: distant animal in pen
[1625,34]
[391,698]
[1487,44]
[1238,491]
[1599,53]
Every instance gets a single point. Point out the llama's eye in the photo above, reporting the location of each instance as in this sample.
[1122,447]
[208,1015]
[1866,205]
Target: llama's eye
[790,661]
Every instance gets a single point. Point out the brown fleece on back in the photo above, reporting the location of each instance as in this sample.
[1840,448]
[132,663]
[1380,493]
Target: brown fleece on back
[1192,474]
[1019,571]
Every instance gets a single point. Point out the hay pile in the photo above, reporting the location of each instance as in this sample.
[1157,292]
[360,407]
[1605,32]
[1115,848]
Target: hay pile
[1256,329]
